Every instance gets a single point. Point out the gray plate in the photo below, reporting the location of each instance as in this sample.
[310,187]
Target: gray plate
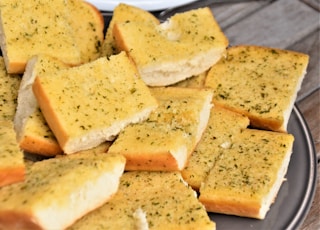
[297,192]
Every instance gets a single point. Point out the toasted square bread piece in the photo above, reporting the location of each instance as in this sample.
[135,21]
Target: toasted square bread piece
[167,138]
[33,132]
[12,168]
[58,191]
[187,44]
[259,82]
[122,13]
[223,126]
[90,104]
[247,177]
[87,24]
[150,200]
[35,27]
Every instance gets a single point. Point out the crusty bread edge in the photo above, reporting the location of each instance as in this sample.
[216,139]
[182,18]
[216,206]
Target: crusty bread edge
[163,161]
[39,145]
[12,175]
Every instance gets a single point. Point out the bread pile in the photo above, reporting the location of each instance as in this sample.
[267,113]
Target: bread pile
[150,126]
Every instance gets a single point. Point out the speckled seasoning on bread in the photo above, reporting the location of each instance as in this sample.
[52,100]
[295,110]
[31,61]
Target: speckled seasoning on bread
[167,138]
[246,179]
[223,126]
[58,191]
[12,168]
[150,200]
[187,44]
[122,13]
[71,31]
[90,104]
[259,82]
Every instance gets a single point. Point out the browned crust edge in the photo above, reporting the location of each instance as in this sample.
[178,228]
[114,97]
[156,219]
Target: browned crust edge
[12,175]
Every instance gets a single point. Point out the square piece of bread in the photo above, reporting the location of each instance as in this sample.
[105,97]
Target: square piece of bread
[167,138]
[223,126]
[35,27]
[89,104]
[60,190]
[246,179]
[259,82]
[187,44]
[150,200]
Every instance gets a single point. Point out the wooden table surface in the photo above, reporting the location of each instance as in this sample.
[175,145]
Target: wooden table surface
[285,24]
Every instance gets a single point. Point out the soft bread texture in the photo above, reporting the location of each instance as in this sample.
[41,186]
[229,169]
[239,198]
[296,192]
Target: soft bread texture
[167,138]
[33,133]
[31,27]
[259,82]
[247,177]
[87,24]
[87,105]
[59,191]
[187,44]
[223,126]
[122,13]
[12,168]
[165,203]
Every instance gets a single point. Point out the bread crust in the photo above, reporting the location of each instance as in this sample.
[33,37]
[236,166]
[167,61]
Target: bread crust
[43,100]
[41,146]
[151,162]
[14,220]
[233,207]
[12,175]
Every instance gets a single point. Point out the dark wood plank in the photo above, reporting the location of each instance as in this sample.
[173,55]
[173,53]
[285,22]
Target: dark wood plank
[312,220]
[279,24]
[310,108]
[311,46]
[229,14]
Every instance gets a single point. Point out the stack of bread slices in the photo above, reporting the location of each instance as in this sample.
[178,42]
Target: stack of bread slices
[149,126]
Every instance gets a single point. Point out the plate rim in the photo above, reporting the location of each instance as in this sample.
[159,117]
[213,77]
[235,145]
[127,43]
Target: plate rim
[109,5]
[306,203]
